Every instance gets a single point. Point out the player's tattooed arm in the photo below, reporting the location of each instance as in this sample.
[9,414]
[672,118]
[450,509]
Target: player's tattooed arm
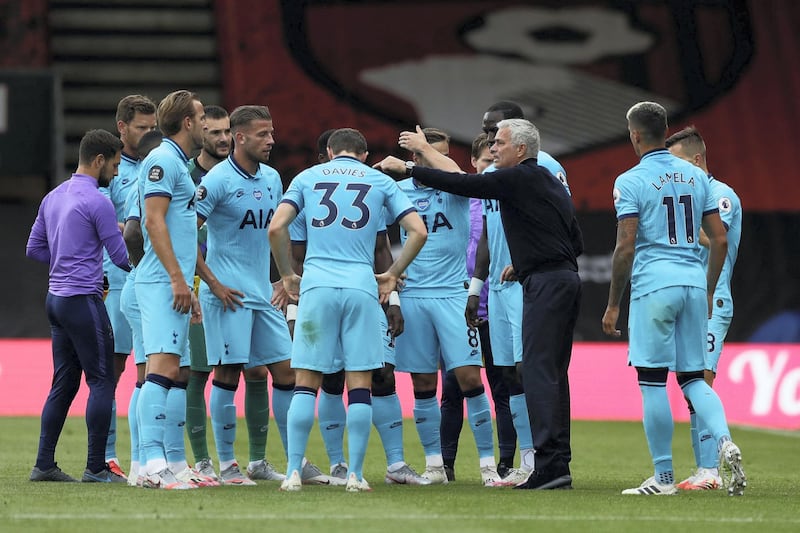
[621,265]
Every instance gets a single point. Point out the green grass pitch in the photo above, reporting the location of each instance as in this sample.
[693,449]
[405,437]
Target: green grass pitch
[608,457]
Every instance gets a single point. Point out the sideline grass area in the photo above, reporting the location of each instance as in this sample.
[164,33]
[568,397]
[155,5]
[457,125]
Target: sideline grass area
[607,458]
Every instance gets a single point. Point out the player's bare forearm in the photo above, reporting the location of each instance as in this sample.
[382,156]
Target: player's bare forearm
[717,248]
[622,259]
[279,240]
[481,270]
[134,240]
[417,234]
[383,253]
[279,243]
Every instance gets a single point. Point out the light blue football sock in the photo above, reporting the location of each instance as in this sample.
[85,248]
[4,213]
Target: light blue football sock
[387,415]
[479,415]
[174,444]
[223,419]
[152,410]
[658,428]
[428,419]
[133,423]
[332,420]
[709,455]
[710,413]
[522,423]
[300,421]
[693,434]
[359,425]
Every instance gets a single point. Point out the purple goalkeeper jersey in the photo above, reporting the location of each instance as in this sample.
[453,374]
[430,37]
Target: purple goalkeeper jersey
[75,222]
[475,230]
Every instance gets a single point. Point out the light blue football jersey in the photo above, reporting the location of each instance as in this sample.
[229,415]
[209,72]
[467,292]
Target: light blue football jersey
[297,229]
[343,201]
[165,173]
[730,210]
[499,254]
[133,211]
[440,268]
[670,196]
[237,208]
[117,191]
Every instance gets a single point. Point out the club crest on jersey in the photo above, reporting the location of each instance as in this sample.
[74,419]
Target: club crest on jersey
[201,193]
[155,174]
[423,204]
[258,194]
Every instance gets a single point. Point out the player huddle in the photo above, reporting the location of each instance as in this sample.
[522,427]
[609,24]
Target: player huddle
[198,303]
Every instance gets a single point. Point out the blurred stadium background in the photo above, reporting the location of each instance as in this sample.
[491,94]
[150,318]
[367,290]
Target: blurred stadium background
[382,66]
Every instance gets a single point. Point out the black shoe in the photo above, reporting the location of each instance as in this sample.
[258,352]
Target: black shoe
[503,468]
[547,480]
[450,472]
[52,474]
[103,476]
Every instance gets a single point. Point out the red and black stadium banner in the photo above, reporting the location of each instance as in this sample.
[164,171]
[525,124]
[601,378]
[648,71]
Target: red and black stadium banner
[575,66]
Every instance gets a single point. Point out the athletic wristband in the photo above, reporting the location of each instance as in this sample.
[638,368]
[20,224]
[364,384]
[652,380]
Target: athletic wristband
[394,298]
[475,287]
[291,312]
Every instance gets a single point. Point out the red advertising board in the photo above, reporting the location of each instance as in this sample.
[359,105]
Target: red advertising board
[758,383]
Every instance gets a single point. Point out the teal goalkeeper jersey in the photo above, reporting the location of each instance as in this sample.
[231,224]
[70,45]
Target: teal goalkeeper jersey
[499,255]
[164,173]
[670,197]
[343,201]
[730,210]
[237,208]
[440,268]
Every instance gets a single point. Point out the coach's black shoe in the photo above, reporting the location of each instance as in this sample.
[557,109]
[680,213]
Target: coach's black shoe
[450,472]
[547,479]
[52,474]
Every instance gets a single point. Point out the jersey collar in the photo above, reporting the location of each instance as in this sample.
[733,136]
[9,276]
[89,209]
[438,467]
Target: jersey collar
[655,151]
[169,142]
[241,171]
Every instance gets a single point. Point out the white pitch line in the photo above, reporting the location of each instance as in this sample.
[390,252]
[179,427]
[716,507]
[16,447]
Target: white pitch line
[789,433]
[460,517]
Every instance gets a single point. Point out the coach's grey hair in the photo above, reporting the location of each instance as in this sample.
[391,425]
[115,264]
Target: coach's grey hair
[650,119]
[522,132]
